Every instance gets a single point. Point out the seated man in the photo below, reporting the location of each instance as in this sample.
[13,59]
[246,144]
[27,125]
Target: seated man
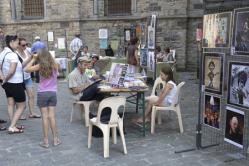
[78,82]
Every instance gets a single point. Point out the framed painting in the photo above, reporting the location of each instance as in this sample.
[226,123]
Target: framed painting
[213,72]
[211,112]
[238,84]
[217,30]
[234,126]
[143,57]
[241,32]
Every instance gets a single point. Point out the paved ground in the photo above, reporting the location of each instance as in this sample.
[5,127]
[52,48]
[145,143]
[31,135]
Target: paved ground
[157,149]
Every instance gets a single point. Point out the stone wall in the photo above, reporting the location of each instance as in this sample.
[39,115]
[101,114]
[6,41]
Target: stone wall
[177,21]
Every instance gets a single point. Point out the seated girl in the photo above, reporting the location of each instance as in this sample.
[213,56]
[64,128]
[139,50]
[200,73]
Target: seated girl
[166,96]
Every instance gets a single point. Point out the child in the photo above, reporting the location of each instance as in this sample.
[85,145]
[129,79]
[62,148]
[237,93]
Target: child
[46,94]
[166,96]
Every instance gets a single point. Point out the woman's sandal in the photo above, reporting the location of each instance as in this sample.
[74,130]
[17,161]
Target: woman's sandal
[34,116]
[58,142]
[2,128]
[21,127]
[44,145]
[13,131]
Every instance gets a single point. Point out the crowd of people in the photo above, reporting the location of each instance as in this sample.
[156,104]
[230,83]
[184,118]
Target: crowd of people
[17,62]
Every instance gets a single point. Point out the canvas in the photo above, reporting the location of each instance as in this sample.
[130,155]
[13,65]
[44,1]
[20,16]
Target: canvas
[143,57]
[213,72]
[241,32]
[234,126]
[211,113]
[238,90]
[217,29]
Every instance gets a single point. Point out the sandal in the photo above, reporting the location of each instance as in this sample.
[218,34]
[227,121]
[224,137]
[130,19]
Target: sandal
[13,131]
[3,121]
[2,128]
[34,116]
[21,127]
[44,145]
[58,142]
[22,118]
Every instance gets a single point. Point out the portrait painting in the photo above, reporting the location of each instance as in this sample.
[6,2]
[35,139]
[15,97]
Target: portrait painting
[211,113]
[216,30]
[234,131]
[213,72]
[241,31]
[143,57]
[238,84]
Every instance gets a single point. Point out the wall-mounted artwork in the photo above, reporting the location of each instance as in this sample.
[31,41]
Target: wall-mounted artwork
[238,84]
[234,127]
[217,30]
[213,72]
[143,57]
[211,113]
[241,32]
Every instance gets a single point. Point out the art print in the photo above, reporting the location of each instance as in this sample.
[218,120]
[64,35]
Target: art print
[151,61]
[234,127]
[211,113]
[143,57]
[238,84]
[217,28]
[152,33]
[241,32]
[213,72]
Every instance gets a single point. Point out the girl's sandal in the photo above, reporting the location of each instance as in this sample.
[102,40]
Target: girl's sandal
[13,131]
[58,142]
[44,145]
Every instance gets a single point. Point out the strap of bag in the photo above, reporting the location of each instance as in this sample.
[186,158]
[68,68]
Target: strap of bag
[4,59]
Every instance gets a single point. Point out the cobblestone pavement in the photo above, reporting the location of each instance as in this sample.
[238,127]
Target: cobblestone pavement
[157,149]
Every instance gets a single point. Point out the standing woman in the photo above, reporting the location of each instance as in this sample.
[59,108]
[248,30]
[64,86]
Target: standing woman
[46,94]
[26,57]
[11,73]
[132,57]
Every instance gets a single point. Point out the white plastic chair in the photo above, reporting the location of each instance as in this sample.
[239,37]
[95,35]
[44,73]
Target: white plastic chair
[175,106]
[86,107]
[157,82]
[115,121]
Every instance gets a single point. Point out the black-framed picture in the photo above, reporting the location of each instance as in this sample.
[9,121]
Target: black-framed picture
[211,113]
[143,57]
[217,30]
[213,72]
[238,84]
[241,32]
[234,126]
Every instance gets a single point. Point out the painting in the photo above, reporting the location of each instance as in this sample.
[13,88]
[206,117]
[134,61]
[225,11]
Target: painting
[152,33]
[241,32]
[143,57]
[211,113]
[213,72]
[234,126]
[217,30]
[238,90]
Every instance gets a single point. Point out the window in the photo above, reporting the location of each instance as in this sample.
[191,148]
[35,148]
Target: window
[117,7]
[32,9]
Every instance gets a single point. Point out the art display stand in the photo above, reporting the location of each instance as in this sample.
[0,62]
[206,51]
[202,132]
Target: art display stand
[223,110]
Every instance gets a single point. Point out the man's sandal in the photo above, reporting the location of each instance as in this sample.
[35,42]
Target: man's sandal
[44,145]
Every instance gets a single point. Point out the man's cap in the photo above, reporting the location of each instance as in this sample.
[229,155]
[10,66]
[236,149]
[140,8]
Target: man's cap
[37,38]
[83,58]
[37,46]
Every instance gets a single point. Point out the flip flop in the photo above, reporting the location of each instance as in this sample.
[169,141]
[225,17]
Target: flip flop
[34,116]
